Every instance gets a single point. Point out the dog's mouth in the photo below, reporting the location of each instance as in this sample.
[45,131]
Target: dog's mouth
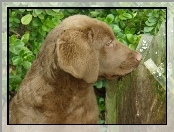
[120,73]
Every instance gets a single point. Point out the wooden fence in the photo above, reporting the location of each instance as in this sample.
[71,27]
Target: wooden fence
[140,97]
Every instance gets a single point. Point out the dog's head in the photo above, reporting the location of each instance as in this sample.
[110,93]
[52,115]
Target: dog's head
[88,49]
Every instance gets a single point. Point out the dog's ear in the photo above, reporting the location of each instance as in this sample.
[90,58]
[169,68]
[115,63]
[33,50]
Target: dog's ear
[76,56]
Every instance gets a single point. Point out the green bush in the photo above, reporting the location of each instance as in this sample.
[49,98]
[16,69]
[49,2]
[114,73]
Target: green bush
[29,27]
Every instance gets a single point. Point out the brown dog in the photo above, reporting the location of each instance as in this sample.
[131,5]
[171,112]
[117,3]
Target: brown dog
[58,89]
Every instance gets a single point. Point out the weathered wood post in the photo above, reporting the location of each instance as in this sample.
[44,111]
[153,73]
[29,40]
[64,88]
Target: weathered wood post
[138,98]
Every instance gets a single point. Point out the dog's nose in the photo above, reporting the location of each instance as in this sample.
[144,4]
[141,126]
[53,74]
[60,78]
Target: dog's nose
[138,57]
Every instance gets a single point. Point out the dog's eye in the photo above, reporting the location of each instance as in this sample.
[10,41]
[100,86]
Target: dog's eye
[110,44]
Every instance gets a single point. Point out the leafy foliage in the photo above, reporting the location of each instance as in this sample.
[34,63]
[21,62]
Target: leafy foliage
[29,27]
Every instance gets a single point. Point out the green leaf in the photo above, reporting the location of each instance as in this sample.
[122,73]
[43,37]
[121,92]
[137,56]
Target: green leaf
[12,39]
[26,65]
[149,23]
[15,79]
[122,24]
[21,52]
[132,31]
[33,34]
[29,58]
[110,18]
[71,10]
[16,46]
[29,9]
[127,15]
[94,13]
[134,14]
[152,19]
[156,14]
[127,30]
[17,42]
[41,16]
[122,17]
[21,10]
[26,19]
[113,11]
[50,12]
[34,14]
[148,29]
[11,20]
[25,52]
[132,46]
[16,60]
[99,84]
[16,20]
[56,21]
[122,41]
[50,24]
[56,10]
[130,38]
[60,16]
[25,38]
[26,55]
[43,33]
[101,99]
[116,28]
[44,28]
[36,22]
[120,35]
[38,11]
[117,19]
[150,14]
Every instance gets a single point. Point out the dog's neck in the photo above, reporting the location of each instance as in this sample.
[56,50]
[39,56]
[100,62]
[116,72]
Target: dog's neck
[56,76]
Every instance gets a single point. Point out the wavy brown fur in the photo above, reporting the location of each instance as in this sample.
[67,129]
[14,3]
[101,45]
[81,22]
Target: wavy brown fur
[58,89]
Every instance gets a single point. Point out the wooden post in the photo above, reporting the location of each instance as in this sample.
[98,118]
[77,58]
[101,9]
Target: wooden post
[138,98]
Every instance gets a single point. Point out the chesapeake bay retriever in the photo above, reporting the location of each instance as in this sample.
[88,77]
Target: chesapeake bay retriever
[58,89]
